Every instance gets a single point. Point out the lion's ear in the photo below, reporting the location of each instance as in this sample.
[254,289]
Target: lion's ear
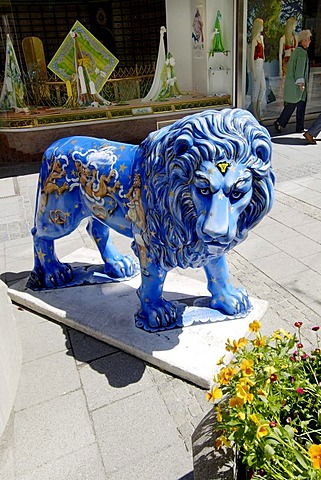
[182,144]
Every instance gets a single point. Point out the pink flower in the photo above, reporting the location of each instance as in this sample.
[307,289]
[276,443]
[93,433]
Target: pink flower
[273,424]
[316,328]
[300,391]
[298,324]
[273,377]
[300,345]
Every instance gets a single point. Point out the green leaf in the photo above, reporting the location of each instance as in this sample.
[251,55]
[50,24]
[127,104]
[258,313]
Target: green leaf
[272,440]
[269,452]
[300,458]
[289,430]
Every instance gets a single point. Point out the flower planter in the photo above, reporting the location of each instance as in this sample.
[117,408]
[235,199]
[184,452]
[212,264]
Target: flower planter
[266,404]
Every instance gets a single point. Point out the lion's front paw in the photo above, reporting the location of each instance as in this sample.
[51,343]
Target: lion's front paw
[122,267]
[232,301]
[155,317]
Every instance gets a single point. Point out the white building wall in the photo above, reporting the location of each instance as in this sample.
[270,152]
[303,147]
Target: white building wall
[178,18]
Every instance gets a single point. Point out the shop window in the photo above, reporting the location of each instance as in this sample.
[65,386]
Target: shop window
[278,21]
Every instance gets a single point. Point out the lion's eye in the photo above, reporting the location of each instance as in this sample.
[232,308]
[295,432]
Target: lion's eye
[236,195]
[205,191]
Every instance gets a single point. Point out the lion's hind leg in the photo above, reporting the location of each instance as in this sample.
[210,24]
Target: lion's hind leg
[48,271]
[225,297]
[117,266]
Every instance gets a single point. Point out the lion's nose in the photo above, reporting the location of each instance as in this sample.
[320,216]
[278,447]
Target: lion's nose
[216,223]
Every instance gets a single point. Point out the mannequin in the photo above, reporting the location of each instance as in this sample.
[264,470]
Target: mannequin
[256,67]
[287,44]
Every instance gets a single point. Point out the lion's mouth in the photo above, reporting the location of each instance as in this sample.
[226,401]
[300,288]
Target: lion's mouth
[216,247]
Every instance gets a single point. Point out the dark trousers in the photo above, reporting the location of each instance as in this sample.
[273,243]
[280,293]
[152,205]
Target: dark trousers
[287,112]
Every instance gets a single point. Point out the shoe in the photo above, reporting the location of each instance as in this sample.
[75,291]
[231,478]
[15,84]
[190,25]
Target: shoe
[309,138]
[277,126]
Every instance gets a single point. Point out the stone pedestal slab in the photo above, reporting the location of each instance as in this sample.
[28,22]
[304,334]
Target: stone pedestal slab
[106,312]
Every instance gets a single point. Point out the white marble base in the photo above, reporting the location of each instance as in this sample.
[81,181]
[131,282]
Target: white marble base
[106,312]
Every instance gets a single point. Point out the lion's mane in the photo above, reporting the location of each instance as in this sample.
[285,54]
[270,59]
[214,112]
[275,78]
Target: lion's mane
[167,161]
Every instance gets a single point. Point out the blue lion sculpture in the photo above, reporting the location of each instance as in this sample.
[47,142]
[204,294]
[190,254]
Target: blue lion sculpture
[186,195]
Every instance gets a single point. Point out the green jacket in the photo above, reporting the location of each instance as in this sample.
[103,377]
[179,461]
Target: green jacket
[297,70]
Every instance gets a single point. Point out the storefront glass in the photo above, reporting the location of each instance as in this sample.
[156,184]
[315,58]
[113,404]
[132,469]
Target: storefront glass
[115,44]
[274,34]
[91,59]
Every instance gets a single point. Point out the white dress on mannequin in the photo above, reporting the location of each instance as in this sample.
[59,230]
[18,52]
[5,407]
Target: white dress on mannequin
[157,82]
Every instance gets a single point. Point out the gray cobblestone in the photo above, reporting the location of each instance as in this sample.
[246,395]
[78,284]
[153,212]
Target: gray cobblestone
[179,416]
[186,430]
[194,409]
[4,237]
[159,376]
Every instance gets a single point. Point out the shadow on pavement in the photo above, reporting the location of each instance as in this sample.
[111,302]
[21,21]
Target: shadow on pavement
[290,141]
[20,169]
[188,476]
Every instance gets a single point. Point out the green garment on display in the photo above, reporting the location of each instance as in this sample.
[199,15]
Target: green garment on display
[13,89]
[298,68]
[85,65]
[170,87]
[217,42]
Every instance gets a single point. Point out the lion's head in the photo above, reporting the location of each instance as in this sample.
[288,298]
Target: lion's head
[208,180]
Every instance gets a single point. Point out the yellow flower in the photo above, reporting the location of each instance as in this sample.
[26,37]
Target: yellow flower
[276,335]
[260,341]
[242,342]
[243,392]
[262,431]
[262,392]
[226,374]
[255,326]
[285,333]
[246,381]
[241,415]
[254,419]
[214,394]
[269,370]
[249,397]
[235,402]
[315,455]
[246,367]
[232,347]
[221,442]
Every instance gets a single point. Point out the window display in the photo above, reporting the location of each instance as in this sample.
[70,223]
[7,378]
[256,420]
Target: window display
[283,21]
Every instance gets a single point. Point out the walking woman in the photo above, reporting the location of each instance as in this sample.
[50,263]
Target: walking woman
[296,85]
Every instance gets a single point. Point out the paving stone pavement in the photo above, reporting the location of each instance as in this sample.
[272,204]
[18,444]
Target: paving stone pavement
[85,410]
